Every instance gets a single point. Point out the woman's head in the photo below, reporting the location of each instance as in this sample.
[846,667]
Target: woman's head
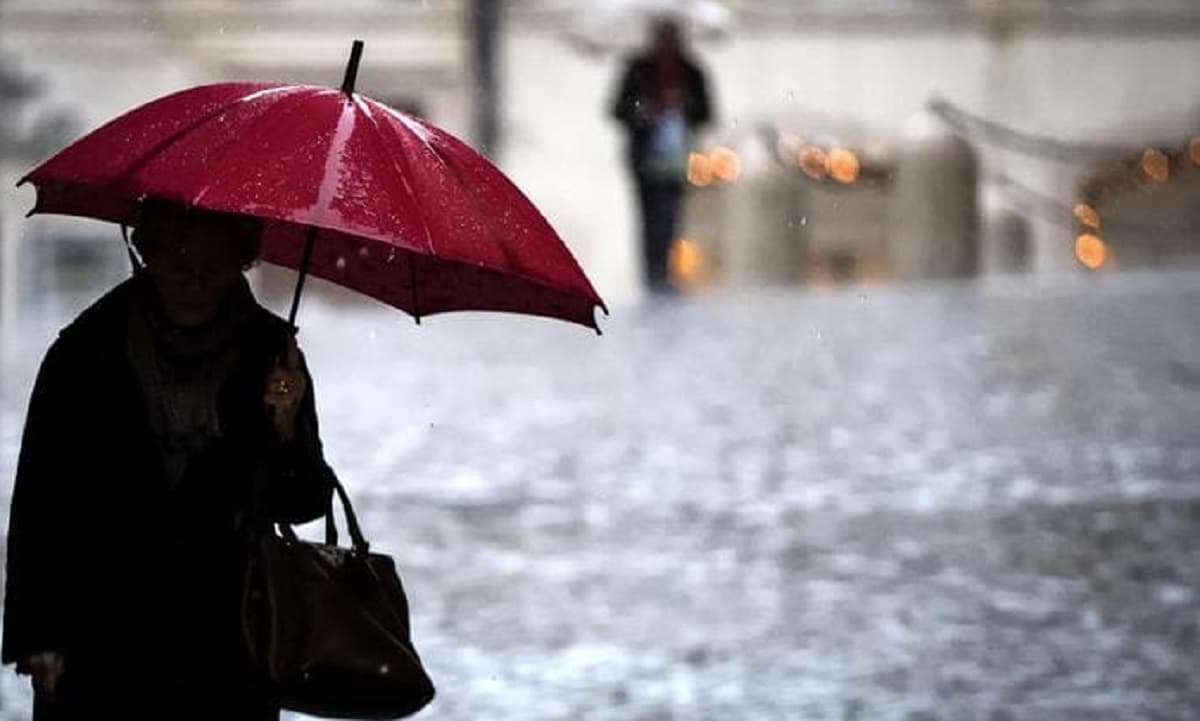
[195,257]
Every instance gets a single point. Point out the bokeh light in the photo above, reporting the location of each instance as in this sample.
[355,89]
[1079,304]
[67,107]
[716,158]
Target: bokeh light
[686,261]
[1091,251]
[725,164]
[1194,150]
[812,161]
[1087,216]
[1156,165]
[843,165]
[787,147]
[699,170]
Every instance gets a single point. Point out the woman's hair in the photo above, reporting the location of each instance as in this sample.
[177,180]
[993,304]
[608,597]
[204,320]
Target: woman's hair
[157,218]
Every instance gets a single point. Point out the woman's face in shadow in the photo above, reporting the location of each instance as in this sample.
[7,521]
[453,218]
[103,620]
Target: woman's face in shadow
[194,265]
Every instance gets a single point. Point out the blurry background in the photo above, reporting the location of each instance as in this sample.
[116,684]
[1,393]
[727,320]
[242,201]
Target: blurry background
[918,440]
[869,140]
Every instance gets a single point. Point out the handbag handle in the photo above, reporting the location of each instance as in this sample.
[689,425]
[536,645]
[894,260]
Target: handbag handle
[358,541]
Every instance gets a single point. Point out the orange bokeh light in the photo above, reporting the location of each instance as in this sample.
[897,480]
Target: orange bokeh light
[686,261]
[813,162]
[1087,215]
[1156,165]
[1194,150]
[1091,251]
[725,164]
[699,170]
[843,165]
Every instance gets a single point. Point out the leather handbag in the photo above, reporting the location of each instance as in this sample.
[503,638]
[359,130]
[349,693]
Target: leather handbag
[328,626]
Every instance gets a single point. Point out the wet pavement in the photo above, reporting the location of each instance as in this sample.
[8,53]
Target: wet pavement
[940,503]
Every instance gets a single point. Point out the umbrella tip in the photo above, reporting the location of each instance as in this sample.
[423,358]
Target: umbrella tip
[352,67]
[595,324]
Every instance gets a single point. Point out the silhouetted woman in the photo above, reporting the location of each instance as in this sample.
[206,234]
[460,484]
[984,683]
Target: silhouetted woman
[152,416]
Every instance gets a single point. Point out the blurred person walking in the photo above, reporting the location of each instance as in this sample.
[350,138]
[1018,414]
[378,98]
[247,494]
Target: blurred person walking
[663,99]
[154,415]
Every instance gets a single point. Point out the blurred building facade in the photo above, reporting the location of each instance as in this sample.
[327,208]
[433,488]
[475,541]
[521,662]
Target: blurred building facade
[828,161]
[1058,92]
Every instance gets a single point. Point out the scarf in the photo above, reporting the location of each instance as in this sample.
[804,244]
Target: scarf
[181,371]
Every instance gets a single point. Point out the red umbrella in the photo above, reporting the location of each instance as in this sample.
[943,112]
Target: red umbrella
[349,189]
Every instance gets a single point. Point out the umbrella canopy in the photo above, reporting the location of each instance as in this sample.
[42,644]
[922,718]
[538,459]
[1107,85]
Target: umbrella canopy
[387,204]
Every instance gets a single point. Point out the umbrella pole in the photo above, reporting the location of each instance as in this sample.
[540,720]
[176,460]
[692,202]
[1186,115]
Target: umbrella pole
[347,87]
[309,238]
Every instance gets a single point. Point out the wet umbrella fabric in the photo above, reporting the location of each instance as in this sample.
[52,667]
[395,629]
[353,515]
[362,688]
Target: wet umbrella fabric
[395,207]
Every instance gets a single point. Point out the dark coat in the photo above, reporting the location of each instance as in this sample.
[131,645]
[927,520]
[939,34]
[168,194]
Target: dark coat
[135,584]
[637,82]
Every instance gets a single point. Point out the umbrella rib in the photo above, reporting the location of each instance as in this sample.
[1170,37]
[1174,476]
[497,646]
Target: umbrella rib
[175,137]
[234,144]
[481,212]
[420,133]
[334,159]
[412,259]
[401,175]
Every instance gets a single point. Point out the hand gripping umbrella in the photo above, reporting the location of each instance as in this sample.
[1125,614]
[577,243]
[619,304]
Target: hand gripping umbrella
[348,189]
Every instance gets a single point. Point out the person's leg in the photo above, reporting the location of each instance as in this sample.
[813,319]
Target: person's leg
[646,216]
[666,200]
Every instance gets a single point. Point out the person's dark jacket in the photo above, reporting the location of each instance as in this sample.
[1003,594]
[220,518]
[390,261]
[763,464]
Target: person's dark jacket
[134,583]
[637,82]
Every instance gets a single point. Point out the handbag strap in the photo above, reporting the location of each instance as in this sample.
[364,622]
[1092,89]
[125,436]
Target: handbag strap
[358,542]
[258,518]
